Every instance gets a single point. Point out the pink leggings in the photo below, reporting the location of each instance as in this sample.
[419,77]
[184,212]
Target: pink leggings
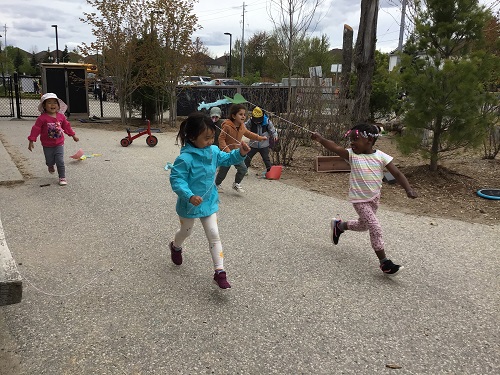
[368,221]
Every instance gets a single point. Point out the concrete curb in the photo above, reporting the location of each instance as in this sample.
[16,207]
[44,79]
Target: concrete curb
[9,173]
[11,286]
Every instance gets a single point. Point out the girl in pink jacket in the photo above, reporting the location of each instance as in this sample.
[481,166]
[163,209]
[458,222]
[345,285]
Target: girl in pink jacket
[51,126]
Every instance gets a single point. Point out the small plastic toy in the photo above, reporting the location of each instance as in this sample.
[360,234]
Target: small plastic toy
[151,140]
[489,193]
[78,154]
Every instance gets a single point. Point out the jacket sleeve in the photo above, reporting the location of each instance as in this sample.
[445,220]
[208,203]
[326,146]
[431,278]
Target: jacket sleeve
[222,139]
[272,129]
[36,130]
[251,135]
[66,126]
[179,179]
[226,159]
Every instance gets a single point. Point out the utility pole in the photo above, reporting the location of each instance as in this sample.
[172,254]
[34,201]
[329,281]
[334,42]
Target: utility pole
[401,31]
[243,44]
[5,38]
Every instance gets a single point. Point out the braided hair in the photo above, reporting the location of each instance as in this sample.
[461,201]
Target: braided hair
[365,130]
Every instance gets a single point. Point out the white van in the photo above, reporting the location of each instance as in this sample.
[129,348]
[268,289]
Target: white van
[195,80]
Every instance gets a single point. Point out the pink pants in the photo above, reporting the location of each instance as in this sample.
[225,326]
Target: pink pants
[368,221]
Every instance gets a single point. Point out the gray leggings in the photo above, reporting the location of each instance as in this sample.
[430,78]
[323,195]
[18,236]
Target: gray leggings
[241,169]
[264,152]
[55,155]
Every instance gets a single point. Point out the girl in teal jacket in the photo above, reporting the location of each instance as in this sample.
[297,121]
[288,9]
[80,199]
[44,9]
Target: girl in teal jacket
[193,180]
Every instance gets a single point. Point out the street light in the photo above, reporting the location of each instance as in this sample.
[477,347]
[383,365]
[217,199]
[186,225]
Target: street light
[228,72]
[57,45]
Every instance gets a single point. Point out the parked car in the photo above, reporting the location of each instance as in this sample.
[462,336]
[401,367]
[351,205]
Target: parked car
[263,84]
[232,82]
[224,82]
[214,82]
[194,80]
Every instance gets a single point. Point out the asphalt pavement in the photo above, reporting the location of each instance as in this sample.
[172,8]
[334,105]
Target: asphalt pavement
[101,296]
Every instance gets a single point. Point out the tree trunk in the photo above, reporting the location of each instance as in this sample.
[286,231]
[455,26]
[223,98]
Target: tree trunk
[345,95]
[290,62]
[435,144]
[345,80]
[364,59]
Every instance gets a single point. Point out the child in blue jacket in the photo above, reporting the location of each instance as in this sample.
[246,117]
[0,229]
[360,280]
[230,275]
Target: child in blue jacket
[193,180]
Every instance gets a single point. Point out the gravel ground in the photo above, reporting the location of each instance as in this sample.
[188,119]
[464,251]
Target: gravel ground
[102,297]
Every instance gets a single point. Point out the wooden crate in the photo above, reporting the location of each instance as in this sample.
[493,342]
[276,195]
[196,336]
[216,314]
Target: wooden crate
[331,164]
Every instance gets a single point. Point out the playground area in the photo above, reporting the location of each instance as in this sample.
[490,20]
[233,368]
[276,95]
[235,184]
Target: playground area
[450,192]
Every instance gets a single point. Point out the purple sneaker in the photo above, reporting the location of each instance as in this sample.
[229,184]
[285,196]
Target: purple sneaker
[221,280]
[176,255]
[335,230]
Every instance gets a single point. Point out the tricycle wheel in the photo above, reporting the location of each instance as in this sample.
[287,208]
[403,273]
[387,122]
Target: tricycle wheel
[125,142]
[152,141]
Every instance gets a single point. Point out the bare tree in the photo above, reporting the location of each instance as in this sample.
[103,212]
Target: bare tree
[117,29]
[364,59]
[178,27]
[146,43]
[176,23]
[291,19]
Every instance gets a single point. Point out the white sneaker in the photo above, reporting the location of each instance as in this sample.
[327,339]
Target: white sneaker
[238,188]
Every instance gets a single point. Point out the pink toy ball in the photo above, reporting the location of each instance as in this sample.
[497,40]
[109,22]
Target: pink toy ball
[78,154]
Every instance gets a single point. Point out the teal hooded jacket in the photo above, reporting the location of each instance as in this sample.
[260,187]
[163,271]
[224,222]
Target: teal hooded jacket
[193,173]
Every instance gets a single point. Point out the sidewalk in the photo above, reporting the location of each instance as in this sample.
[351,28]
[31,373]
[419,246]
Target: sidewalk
[9,174]
[10,280]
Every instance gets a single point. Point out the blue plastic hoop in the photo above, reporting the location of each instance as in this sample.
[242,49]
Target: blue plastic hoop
[483,193]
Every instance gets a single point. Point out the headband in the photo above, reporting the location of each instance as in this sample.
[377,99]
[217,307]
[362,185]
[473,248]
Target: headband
[364,134]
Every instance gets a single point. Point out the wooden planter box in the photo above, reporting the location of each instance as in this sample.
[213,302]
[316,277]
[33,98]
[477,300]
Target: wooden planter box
[331,164]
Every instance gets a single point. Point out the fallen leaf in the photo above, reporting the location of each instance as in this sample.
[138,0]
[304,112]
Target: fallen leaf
[393,365]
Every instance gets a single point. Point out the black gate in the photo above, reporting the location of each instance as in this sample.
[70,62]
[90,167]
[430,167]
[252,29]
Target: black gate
[6,97]
[19,96]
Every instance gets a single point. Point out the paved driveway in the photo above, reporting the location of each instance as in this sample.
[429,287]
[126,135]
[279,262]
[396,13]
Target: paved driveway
[102,297]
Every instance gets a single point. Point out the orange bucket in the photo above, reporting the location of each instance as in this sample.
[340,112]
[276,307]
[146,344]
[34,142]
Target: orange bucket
[274,173]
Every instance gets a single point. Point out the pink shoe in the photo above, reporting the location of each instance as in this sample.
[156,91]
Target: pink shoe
[63,182]
[52,170]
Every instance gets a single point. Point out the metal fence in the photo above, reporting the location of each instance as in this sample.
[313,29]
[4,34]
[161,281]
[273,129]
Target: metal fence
[190,97]
[6,97]
[20,97]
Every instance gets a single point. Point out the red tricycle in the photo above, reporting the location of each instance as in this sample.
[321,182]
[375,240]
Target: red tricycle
[151,140]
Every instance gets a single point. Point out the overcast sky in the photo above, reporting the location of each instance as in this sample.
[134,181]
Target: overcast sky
[27,23]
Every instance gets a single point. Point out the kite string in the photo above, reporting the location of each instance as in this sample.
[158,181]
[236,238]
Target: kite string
[284,119]
[98,275]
